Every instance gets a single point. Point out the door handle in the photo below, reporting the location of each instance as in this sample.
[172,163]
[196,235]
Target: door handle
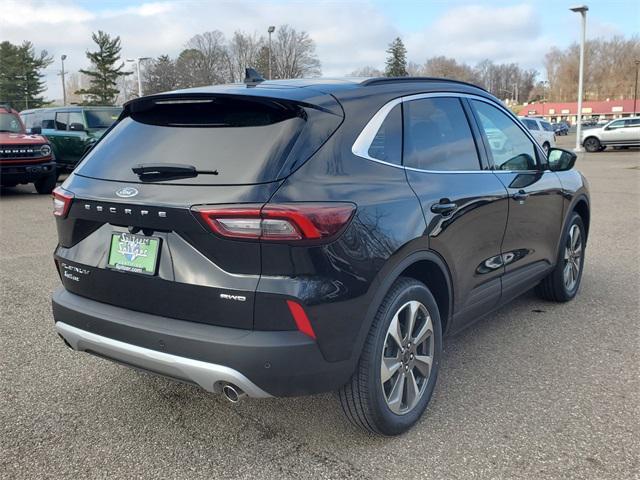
[444,208]
[520,196]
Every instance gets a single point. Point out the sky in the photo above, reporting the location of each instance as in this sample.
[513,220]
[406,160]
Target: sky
[349,34]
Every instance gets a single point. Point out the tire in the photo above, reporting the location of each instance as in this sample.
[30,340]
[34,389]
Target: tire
[555,286]
[46,184]
[546,147]
[592,144]
[368,402]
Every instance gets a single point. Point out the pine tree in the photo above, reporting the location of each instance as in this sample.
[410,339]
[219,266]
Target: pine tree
[104,73]
[21,78]
[397,60]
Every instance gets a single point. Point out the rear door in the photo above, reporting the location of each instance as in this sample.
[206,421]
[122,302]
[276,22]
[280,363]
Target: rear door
[530,242]
[464,203]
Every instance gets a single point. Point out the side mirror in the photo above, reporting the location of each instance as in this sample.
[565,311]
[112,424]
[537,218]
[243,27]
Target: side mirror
[561,160]
[76,127]
[36,130]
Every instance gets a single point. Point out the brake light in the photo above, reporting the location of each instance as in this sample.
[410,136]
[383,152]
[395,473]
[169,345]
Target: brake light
[61,202]
[278,222]
[301,319]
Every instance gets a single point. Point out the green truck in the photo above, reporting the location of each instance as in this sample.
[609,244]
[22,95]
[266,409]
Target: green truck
[72,131]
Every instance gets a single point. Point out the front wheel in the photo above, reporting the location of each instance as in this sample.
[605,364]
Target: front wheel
[592,144]
[564,280]
[397,372]
[46,184]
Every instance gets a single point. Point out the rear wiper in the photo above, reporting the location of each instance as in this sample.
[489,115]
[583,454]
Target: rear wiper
[168,171]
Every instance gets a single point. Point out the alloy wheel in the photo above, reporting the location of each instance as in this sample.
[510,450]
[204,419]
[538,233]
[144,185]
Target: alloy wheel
[407,357]
[572,258]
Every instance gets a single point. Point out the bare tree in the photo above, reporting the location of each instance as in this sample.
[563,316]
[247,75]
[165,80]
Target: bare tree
[367,71]
[244,50]
[294,54]
[205,61]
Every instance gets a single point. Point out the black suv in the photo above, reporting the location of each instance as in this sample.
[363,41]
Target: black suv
[294,237]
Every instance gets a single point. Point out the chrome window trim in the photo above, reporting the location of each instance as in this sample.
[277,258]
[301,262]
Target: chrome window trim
[360,147]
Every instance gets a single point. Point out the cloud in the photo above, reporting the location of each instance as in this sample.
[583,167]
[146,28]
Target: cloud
[474,33]
[348,34]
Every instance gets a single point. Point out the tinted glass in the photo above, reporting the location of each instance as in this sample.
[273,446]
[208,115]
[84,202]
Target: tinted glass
[102,118]
[437,136]
[634,122]
[387,144]
[62,119]
[547,126]
[76,117]
[616,124]
[531,124]
[245,142]
[510,147]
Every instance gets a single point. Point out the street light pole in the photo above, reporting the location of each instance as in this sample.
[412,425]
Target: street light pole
[137,62]
[635,89]
[64,87]
[270,30]
[582,10]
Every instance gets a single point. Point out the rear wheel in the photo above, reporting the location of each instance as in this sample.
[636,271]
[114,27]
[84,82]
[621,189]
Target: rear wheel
[563,282]
[592,144]
[46,184]
[397,371]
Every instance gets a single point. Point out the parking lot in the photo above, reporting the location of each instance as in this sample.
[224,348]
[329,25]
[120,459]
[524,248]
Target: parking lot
[537,390]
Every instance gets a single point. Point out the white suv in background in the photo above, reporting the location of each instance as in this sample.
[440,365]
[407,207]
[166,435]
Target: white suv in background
[624,132]
[541,130]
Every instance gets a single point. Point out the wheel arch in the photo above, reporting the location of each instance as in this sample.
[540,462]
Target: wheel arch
[581,207]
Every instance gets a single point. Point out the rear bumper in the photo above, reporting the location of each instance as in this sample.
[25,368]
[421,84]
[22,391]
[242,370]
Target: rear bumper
[262,363]
[26,173]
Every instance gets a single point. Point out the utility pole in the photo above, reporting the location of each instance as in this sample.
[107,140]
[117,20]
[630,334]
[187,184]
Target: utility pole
[64,87]
[270,30]
[582,10]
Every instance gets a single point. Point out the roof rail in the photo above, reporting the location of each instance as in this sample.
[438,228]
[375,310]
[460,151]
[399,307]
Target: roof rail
[382,80]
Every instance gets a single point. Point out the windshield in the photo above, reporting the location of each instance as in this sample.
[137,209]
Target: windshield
[10,122]
[102,118]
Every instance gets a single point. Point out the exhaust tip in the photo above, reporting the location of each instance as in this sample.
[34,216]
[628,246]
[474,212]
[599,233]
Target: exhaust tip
[233,393]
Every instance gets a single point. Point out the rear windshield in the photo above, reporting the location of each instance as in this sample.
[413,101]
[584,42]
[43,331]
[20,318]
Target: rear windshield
[102,118]
[244,142]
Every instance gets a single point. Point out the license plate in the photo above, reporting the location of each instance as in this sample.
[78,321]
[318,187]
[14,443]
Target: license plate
[134,253]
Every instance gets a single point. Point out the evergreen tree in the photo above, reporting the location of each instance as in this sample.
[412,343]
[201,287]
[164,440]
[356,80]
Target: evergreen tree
[21,78]
[397,60]
[104,73]
[160,75]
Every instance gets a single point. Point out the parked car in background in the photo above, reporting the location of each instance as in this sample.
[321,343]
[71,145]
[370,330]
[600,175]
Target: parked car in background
[303,236]
[623,132]
[560,128]
[72,131]
[542,131]
[24,158]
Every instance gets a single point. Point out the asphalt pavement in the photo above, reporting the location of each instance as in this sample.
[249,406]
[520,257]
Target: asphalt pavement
[537,390]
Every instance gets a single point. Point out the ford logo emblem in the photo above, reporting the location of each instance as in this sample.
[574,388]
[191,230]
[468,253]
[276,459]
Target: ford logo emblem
[127,192]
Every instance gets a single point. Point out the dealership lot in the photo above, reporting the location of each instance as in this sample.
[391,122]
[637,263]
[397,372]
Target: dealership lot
[537,390]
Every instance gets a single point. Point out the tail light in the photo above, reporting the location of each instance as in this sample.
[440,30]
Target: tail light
[61,202]
[278,222]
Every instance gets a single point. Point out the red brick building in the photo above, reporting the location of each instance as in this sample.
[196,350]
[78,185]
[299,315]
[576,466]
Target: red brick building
[598,110]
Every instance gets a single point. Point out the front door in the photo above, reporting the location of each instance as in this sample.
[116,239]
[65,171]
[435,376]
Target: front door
[464,203]
[529,248]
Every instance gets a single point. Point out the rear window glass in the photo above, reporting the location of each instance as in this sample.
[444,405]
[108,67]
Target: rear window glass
[245,142]
[387,144]
[102,118]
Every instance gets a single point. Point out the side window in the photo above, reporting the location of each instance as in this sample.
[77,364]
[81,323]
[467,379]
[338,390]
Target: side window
[510,147]
[76,117]
[62,119]
[547,126]
[531,124]
[387,144]
[616,124]
[437,136]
